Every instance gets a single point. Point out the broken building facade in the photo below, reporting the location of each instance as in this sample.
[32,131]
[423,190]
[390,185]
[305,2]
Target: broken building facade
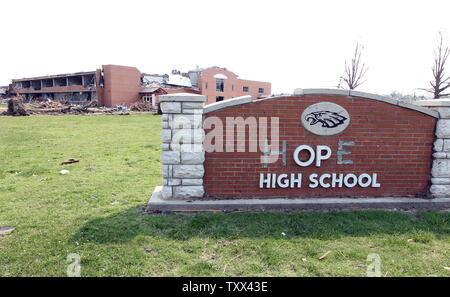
[123,85]
[73,88]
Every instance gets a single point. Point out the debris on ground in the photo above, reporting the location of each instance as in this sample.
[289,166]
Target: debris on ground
[148,249]
[141,106]
[64,171]
[115,203]
[6,230]
[56,108]
[121,109]
[71,161]
[324,255]
[50,107]
[50,104]
[16,107]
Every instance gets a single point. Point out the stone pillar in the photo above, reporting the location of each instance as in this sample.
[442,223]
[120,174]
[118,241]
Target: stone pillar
[440,172]
[182,139]
[154,101]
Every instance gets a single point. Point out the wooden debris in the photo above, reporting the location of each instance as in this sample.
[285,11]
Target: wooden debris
[232,259]
[71,161]
[324,255]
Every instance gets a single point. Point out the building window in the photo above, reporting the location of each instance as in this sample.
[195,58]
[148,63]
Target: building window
[245,89]
[261,90]
[206,85]
[219,98]
[147,98]
[220,85]
[232,87]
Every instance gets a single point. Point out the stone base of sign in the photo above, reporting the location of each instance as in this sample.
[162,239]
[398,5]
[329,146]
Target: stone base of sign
[157,204]
[182,137]
[440,171]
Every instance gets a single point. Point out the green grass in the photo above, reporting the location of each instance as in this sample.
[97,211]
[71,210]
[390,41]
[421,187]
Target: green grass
[56,215]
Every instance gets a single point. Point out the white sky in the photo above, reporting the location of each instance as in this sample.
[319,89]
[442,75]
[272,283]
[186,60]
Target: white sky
[289,43]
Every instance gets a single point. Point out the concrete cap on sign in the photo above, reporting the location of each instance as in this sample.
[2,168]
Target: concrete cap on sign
[323,92]
[358,94]
[227,103]
[182,97]
[373,97]
[434,102]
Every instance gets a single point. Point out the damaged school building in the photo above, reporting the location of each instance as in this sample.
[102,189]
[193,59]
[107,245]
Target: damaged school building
[123,85]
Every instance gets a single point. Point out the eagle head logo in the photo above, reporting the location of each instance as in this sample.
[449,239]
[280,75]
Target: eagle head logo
[328,119]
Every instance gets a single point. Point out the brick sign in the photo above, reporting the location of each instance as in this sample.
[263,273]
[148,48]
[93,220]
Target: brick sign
[329,144]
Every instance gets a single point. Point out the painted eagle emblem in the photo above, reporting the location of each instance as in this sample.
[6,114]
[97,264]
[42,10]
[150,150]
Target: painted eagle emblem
[328,119]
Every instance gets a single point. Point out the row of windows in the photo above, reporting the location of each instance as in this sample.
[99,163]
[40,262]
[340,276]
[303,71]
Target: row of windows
[220,86]
[147,98]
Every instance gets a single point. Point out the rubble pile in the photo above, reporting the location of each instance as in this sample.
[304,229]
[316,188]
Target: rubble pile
[121,108]
[49,107]
[49,104]
[141,106]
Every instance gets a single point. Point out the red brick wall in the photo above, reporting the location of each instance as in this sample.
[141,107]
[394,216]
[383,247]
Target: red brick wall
[232,79]
[253,88]
[121,85]
[392,141]
[100,93]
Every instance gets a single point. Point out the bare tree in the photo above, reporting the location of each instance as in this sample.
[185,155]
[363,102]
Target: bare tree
[440,83]
[354,73]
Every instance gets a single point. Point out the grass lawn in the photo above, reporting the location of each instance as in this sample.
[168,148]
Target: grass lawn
[95,211]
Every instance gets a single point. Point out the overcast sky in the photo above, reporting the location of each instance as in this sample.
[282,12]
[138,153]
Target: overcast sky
[293,44]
